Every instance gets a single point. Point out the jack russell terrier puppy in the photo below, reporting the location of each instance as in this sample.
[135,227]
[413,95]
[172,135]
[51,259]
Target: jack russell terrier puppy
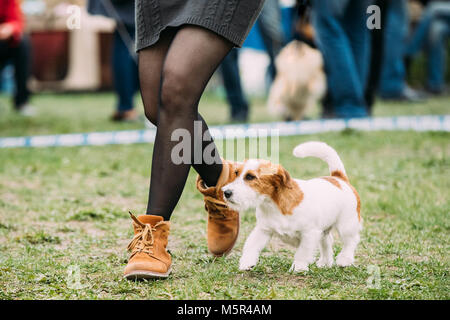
[300,212]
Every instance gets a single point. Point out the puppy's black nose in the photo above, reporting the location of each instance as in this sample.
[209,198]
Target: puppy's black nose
[227,194]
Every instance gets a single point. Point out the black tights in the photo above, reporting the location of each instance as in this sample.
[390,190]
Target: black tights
[173,75]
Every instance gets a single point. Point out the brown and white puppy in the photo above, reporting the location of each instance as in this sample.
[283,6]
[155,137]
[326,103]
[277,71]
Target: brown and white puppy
[300,212]
[300,81]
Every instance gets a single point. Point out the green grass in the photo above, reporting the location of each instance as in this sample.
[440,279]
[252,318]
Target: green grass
[65,209]
[69,113]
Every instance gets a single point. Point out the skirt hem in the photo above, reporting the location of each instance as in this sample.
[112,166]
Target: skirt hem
[223,31]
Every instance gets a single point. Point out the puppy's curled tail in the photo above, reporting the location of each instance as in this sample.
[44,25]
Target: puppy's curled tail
[324,152]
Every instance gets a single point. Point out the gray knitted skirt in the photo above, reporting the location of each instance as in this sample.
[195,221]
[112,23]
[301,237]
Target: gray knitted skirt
[231,19]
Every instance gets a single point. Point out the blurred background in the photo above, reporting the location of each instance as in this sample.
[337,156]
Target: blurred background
[78,63]
[69,67]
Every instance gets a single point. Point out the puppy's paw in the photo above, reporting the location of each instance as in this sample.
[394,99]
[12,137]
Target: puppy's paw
[246,264]
[244,267]
[299,266]
[344,261]
[324,263]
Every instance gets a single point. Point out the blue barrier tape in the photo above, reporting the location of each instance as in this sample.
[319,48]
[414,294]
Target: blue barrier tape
[414,123]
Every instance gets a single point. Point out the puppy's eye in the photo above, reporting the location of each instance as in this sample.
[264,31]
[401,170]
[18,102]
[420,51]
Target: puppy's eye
[249,176]
[236,172]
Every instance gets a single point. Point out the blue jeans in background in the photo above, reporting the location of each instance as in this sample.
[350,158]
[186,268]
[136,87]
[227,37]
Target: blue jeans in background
[125,72]
[343,38]
[431,34]
[393,72]
[271,30]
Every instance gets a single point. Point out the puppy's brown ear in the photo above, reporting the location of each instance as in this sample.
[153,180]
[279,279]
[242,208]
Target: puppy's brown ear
[282,177]
[287,194]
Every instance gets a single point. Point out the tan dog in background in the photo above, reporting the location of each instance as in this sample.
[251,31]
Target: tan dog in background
[300,81]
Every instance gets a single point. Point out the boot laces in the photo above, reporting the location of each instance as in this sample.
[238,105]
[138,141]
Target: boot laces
[143,239]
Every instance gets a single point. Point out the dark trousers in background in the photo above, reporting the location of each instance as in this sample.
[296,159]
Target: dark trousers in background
[376,56]
[125,72]
[269,25]
[343,38]
[19,56]
[393,72]
[432,34]
[233,87]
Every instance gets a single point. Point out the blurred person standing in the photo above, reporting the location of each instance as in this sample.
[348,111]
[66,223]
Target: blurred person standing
[343,38]
[431,34]
[124,63]
[269,25]
[239,105]
[393,72]
[15,48]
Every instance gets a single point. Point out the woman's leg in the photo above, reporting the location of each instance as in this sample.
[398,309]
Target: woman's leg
[151,62]
[192,57]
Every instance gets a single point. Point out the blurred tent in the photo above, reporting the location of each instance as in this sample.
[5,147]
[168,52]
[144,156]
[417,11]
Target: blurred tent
[70,47]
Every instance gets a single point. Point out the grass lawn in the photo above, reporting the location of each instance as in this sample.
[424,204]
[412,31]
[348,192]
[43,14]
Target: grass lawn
[74,113]
[64,210]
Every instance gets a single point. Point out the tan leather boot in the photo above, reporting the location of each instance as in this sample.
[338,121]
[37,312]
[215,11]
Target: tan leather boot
[223,223]
[149,257]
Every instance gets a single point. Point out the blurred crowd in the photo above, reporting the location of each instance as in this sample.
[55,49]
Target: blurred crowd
[361,61]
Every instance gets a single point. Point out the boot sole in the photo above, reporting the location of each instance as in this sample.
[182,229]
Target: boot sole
[144,274]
